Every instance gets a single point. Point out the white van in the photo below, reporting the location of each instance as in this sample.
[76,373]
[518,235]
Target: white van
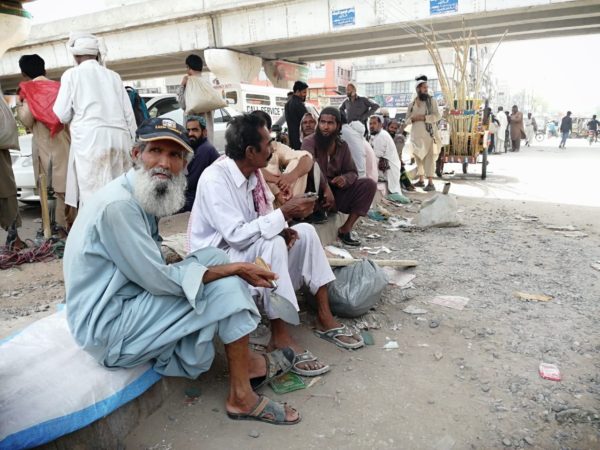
[248,98]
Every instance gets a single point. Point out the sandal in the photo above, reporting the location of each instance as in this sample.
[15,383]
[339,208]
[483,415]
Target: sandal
[308,357]
[332,336]
[419,184]
[278,362]
[266,410]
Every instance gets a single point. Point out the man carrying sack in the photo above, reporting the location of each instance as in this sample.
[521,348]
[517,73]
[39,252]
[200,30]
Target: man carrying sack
[197,96]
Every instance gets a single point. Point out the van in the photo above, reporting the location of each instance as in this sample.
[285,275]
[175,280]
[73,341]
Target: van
[248,98]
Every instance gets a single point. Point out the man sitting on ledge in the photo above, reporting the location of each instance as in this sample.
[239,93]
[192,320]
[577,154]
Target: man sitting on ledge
[126,307]
[342,189]
[231,212]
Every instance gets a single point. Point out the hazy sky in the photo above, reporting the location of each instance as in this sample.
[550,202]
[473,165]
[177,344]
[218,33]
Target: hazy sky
[561,70]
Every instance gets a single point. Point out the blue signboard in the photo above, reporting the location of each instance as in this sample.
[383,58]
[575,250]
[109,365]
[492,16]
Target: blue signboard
[343,17]
[442,6]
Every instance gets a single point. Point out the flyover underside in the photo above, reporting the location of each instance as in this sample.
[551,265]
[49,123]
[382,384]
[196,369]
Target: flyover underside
[553,20]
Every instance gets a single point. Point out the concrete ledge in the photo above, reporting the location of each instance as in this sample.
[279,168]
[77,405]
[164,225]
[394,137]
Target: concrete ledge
[110,431]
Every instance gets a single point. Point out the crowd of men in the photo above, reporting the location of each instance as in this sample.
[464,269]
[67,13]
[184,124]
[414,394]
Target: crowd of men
[258,201]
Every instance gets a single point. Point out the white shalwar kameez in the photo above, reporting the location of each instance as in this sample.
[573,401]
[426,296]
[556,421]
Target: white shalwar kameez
[384,147]
[224,216]
[94,102]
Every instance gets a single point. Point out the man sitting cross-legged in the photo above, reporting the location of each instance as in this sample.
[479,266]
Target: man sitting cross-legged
[126,307]
[231,212]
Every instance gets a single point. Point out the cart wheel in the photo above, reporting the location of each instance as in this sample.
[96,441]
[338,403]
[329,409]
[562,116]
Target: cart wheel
[484,164]
[539,137]
[465,165]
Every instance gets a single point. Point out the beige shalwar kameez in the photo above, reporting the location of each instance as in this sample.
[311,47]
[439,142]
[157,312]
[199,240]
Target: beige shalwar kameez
[425,147]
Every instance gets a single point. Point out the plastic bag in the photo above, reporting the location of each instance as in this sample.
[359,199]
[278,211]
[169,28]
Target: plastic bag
[356,289]
[201,97]
[40,96]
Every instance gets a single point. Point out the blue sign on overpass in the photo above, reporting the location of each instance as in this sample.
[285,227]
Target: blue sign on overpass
[343,17]
[442,6]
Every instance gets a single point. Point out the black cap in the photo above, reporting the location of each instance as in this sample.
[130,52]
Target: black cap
[159,128]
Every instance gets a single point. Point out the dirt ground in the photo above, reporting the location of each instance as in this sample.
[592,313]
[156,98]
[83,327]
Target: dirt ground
[459,379]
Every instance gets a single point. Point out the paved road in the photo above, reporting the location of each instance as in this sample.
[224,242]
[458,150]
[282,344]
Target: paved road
[541,173]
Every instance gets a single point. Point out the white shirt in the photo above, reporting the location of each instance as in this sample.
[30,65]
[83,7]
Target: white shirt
[356,146]
[384,147]
[223,214]
[503,124]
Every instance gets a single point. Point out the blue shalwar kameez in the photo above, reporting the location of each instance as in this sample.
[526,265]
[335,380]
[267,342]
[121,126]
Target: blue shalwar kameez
[125,306]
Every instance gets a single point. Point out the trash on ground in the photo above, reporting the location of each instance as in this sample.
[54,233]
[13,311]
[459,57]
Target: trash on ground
[549,372]
[533,297]
[450,301]
[367,337]
[596,265]
[527,218]
[391,345]
[373,236]
[438,211]
[375,215]
[413,310]
[314,381]
[572,234]
[376,250]
[192,396]
[561,227]
[396,223]
[438,355]
[398,277]
[288,382]
[339,252]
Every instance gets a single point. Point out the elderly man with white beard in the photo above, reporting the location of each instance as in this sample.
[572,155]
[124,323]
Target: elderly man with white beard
[126,306]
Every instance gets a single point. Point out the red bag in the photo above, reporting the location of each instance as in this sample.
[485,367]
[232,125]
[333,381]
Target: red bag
[40,96]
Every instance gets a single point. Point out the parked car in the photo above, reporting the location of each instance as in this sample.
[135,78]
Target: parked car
[22,164]
[166,105]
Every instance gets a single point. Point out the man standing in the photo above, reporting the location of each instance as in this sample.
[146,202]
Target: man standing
[501,133]
[204,155]
[424,116]
[231,213]
[194,65]
[343,190]
[530,129]
[10,219]
[94,102]
[388,159]
[356,107]
[566,127]
[398,134]
[593,127]
[294,112]
[517,130]
[128,307]
[50,152]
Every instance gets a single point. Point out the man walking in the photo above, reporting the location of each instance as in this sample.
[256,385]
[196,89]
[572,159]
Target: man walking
[94,102]
[356,107]
[593,127]
[566,126]
[502,128]
[294,112]
[530,129]
[50,148]
[517,130]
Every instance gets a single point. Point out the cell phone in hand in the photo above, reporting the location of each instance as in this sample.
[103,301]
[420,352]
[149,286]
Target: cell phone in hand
[310,195]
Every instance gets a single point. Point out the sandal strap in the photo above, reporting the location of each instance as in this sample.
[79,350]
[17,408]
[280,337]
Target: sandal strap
[305,357]
[340,331]
[266,406]
[276,362]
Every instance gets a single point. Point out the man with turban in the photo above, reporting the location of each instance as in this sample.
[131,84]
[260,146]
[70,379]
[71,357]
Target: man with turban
[94,102]
[424,116]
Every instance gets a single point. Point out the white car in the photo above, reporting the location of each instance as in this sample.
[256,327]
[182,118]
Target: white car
[22,164]
[166,105]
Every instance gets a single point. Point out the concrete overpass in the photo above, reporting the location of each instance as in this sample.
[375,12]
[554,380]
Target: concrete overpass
[151,38]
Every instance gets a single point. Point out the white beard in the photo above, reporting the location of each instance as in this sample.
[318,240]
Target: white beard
[159,197]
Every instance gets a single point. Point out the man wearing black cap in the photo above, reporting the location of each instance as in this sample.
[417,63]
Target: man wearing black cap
[294,111]
[126,306]
[342,190]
